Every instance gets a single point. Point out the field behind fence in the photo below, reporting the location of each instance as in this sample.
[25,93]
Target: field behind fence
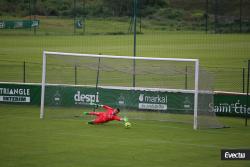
[224,55]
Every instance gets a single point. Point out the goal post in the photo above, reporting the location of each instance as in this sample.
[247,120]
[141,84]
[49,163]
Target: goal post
[157,78]
[196,93]
[43,85]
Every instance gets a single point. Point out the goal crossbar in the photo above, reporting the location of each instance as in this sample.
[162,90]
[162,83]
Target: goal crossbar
[118,57]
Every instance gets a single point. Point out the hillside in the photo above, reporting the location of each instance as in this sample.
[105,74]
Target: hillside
[220,16]
[116,8]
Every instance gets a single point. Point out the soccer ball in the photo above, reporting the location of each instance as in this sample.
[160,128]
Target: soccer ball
[127,125]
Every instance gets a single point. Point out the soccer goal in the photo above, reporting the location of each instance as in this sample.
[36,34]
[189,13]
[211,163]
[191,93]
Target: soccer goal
[145,88]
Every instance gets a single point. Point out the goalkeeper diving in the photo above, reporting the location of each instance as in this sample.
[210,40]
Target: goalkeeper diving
[110,114]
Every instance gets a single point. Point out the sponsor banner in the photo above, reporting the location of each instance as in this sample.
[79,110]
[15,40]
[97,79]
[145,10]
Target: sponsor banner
[70,96]
[137,99]
[16,24]
[231,104]
[82,98]
[152,106]
[20,94]
[152,102]
[224,104]
[235,154]
[15,99]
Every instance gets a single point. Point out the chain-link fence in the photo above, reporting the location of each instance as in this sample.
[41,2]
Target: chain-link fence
[225,79]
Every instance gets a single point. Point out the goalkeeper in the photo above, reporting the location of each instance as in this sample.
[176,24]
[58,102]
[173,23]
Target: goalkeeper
[109,115]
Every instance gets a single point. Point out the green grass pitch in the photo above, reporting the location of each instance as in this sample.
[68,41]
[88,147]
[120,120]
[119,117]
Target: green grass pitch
[28,141]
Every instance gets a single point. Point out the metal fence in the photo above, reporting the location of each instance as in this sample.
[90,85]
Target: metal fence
[225,79]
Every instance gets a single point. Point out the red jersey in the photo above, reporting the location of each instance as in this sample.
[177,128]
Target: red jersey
[108,115]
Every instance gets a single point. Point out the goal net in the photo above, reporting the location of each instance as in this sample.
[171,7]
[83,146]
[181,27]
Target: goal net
[161,89]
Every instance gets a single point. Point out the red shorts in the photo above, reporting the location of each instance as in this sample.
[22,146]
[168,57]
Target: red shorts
[104,117]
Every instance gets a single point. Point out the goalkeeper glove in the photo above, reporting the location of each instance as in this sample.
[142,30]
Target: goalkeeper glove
[125,119]
[85,113]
